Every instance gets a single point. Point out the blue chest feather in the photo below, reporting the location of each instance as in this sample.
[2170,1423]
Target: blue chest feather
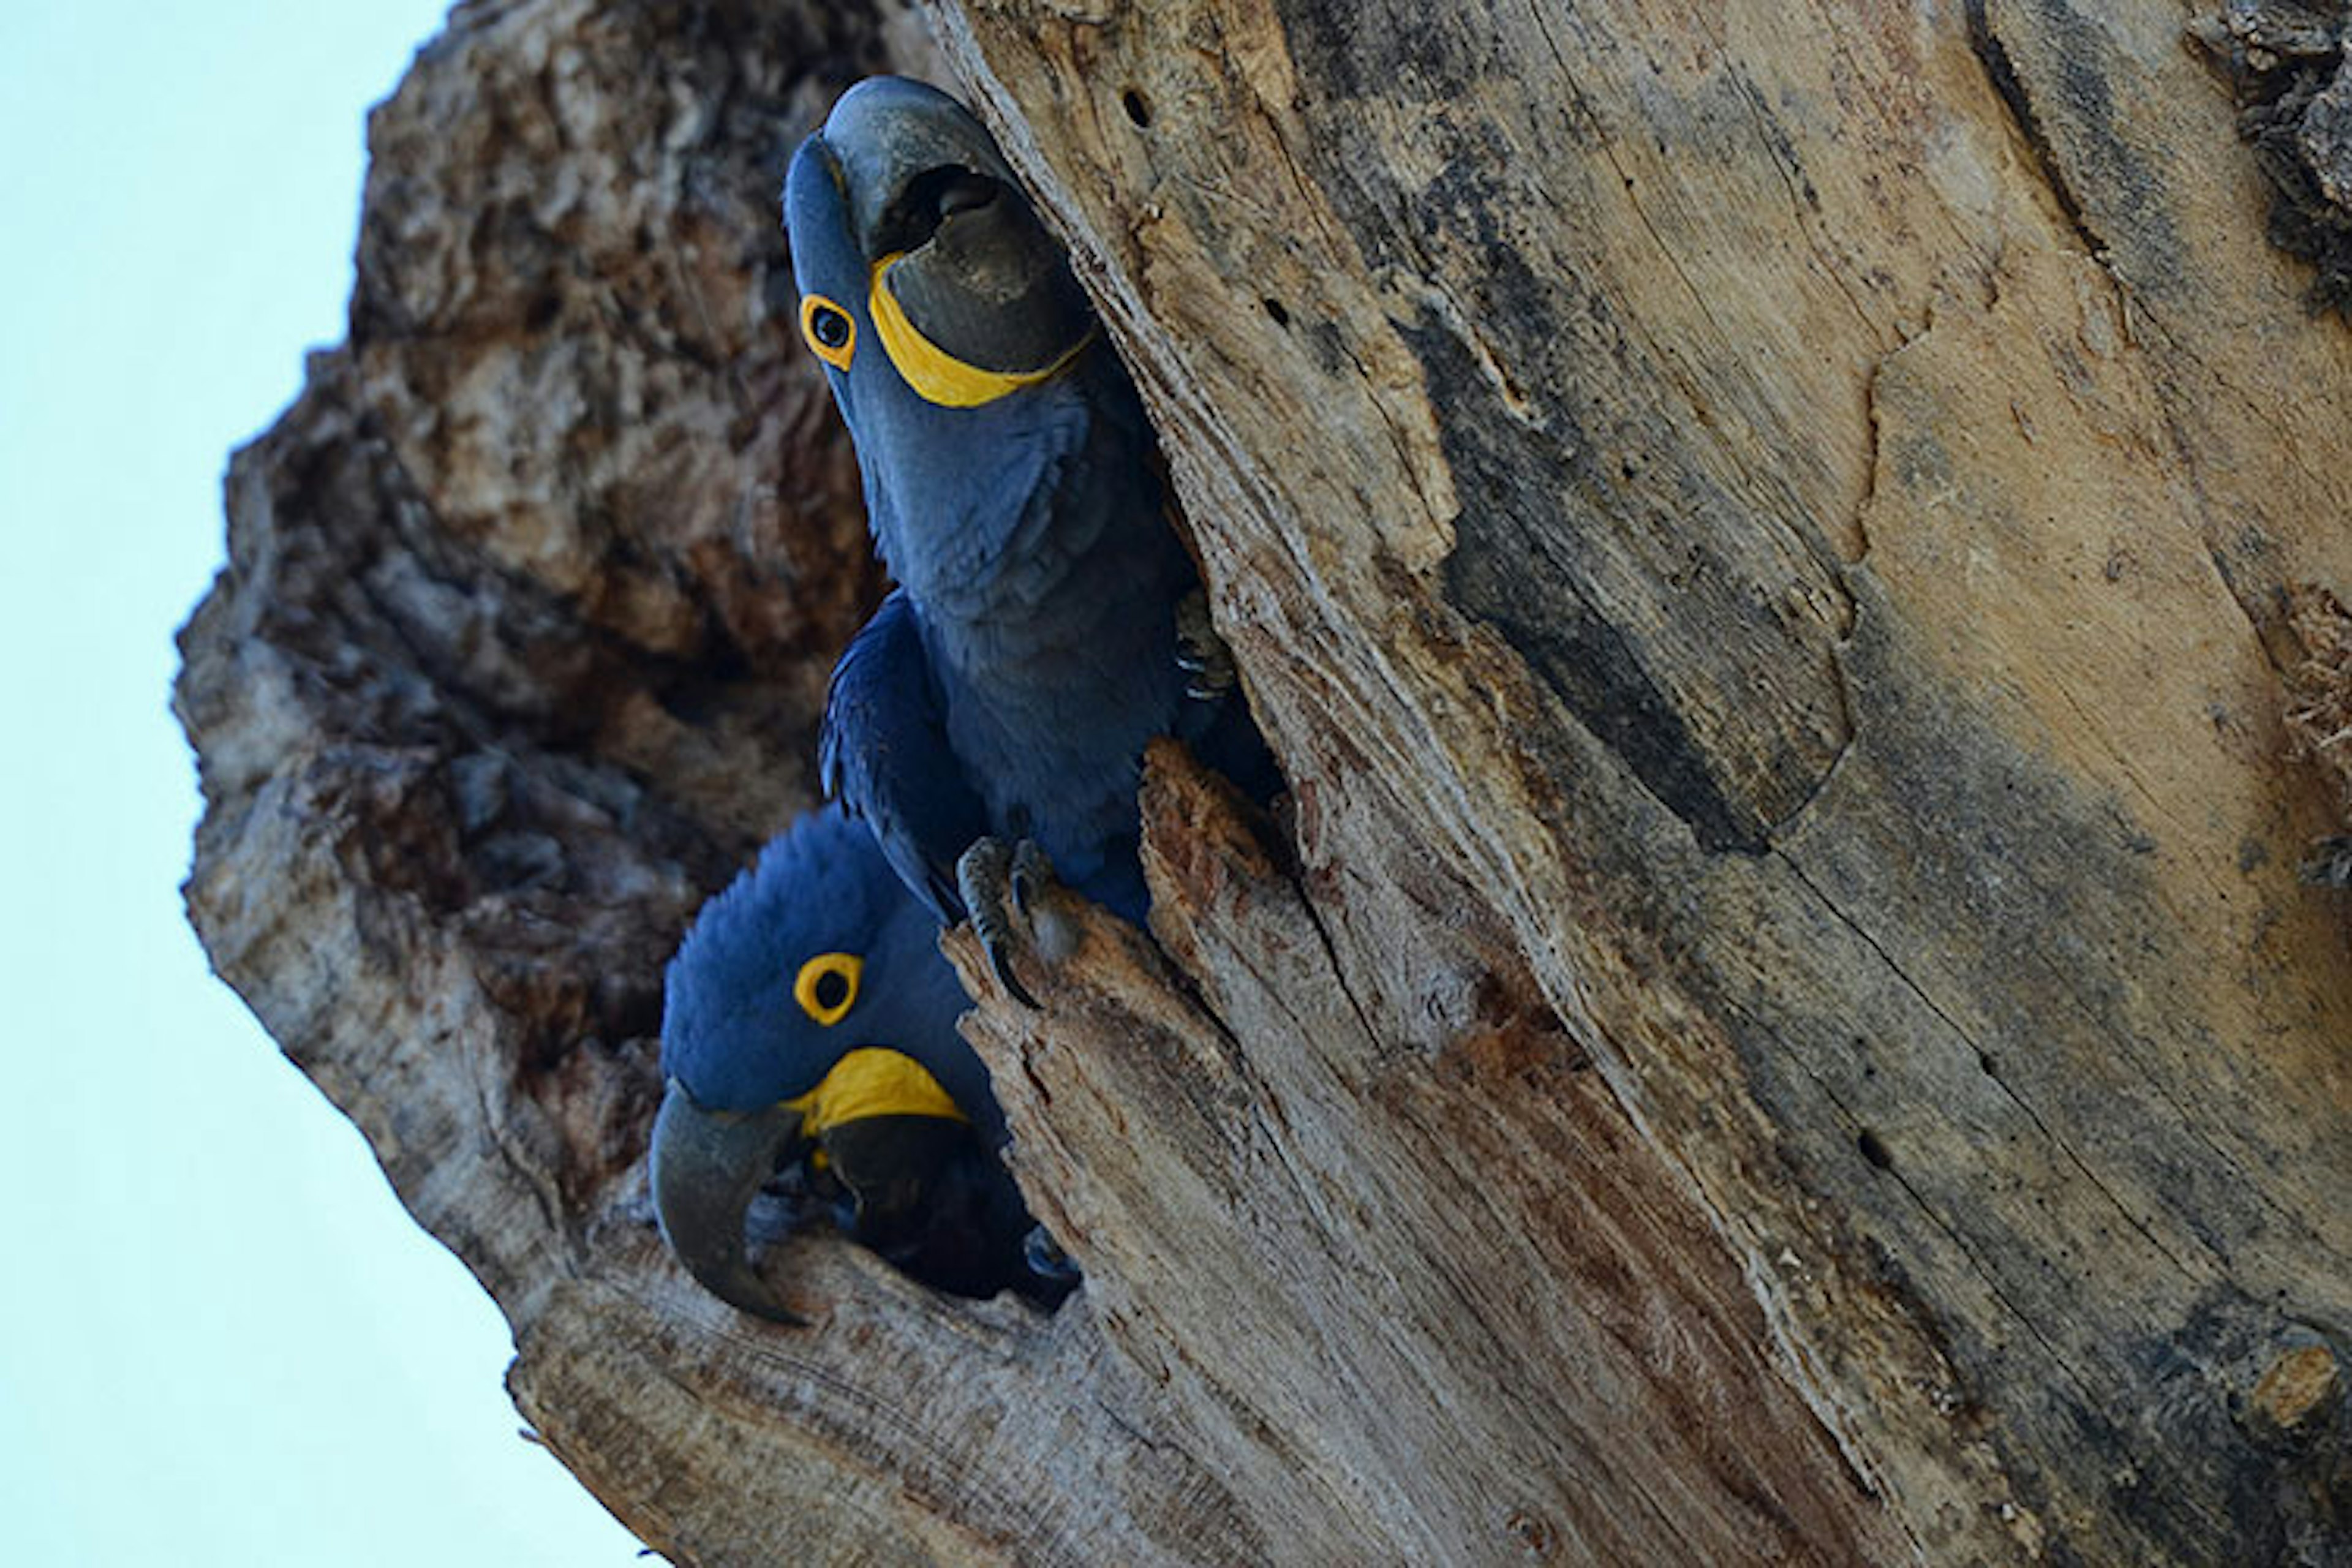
[1031,538]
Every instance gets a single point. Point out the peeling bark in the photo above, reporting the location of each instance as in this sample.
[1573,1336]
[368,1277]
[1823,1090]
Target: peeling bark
[1785,554]
[2285,62]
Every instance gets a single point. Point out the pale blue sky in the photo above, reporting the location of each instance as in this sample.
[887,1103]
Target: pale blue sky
[222,1341]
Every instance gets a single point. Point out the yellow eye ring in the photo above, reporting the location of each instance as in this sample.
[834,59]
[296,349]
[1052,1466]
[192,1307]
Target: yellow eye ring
[826,986]
[830,331]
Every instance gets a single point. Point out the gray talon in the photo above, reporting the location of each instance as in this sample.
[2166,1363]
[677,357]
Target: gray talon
[1033,873]
[1046,1259]
[988,877]
[1201,653]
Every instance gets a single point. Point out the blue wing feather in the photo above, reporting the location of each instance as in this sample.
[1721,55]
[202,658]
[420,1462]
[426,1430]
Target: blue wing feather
[884,752]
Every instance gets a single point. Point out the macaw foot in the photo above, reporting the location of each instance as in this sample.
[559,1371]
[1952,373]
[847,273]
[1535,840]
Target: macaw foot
[999,884]
[1046,1259]
[1201,653]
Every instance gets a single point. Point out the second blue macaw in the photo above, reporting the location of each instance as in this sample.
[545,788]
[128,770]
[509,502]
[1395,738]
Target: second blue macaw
[1048,621]
[809,1044]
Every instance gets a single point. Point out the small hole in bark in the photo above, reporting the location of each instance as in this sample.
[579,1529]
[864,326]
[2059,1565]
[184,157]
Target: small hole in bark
[1137,110]
[1277,314]
[1873,1149]
[1533,1531]
[1987,1064]
[542,312]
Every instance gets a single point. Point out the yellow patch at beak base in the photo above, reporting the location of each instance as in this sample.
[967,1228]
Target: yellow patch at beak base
[873,1081]
[937,375]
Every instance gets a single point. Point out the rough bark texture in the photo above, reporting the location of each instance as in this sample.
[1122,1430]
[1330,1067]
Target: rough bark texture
[2285,61]
[1786,553]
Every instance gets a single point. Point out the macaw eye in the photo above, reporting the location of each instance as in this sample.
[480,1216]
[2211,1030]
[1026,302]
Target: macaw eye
[826,988]
[832,335]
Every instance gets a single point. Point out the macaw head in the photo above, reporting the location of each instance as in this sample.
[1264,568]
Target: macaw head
[808,1007]
[929,287]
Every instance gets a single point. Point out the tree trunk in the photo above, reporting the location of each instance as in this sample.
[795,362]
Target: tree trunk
[1782,551]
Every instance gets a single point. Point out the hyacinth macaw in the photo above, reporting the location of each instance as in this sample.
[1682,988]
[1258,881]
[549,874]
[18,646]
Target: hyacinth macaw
[989,722]
[809,1041]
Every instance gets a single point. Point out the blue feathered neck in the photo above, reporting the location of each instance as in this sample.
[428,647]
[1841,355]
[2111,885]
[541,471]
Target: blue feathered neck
[968,505]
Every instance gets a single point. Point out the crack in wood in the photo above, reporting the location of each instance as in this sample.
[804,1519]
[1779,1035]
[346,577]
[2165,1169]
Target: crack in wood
[1872,457]
[1783,159]
[1933,1215]
[2002,72]
[1331,959]
[2041,1125]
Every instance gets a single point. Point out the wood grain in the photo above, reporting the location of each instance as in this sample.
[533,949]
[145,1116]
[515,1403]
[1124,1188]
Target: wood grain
[1777,1020]
[1935,915]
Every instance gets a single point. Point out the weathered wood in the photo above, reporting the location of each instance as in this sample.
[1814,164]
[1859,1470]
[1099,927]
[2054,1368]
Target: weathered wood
[1777,1020]
[1399,1260]
[1933,910]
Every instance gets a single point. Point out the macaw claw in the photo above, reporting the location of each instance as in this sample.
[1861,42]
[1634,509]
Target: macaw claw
[1033,873]
[1045,1259]
[999,883]
[1201,653]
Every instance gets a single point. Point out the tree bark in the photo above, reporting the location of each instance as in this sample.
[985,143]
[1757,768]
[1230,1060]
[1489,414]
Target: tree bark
[1784,552]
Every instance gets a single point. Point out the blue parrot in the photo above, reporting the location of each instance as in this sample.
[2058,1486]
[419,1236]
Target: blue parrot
[1047,620]
[809,1030]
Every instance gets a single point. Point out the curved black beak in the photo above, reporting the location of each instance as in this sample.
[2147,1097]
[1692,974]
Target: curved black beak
[707,1167]
[979,274]
[895,140]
